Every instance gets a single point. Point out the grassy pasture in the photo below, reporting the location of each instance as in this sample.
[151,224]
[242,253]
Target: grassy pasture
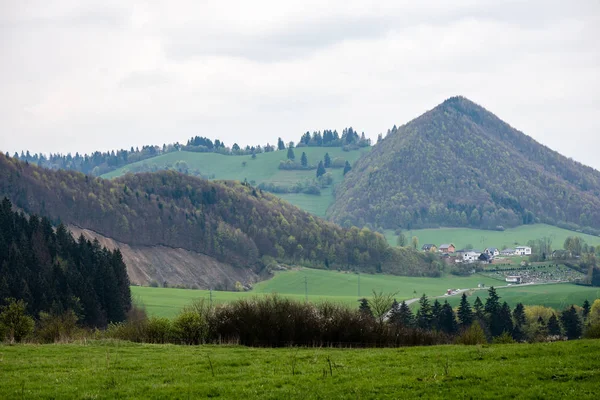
[481,239]
[322,286]
[343,288]
[109,369]
[557,296]
[262,169]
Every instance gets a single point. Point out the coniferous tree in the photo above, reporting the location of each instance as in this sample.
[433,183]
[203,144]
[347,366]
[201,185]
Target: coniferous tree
[478,308]
[364,308]
[493,313]
[447,319]
[280,144]
[585,309]
[553,326]
[406,316]
[347,167]
[424,316]
[290,154]
[505,319]
[465,314]
[436,310]
[304,160]
[571,323]
[320,170]
[327,160]
[394,316]
[519,322]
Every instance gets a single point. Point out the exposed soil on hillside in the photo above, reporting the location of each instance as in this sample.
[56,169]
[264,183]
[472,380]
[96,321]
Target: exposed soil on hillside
[177,267]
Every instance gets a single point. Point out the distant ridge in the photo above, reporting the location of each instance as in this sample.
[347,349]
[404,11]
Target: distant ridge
[460,165]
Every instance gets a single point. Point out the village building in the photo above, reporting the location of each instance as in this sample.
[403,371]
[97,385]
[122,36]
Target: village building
[447,248]
[429,247]
[507,252]
[492,251]
[513,279]
[523,251]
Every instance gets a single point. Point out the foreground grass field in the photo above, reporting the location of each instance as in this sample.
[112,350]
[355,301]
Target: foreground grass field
[343,288]
[108,370]
[263,169]
[480,239]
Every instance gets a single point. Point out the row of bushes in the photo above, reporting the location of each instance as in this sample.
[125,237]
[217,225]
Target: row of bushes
[270,321]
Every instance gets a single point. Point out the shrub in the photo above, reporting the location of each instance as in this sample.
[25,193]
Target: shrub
[472,335]
[190,328]
[592,331]
[54,328]
[134,329]
[505,338]
[15,324]
[158,330]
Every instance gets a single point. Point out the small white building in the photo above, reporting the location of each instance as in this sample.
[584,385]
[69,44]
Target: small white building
[508,252]
[523,251]
[513,279]
[492,251]
[470,256]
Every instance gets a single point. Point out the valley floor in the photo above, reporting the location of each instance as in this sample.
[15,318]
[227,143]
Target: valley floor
[109,369]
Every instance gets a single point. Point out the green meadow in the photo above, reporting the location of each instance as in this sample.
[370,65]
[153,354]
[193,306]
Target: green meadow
[557,296]
[344,288]
[265,168]
[480,239]
[113,369]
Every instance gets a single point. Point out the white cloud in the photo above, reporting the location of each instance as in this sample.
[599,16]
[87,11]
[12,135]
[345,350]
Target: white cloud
[110,75]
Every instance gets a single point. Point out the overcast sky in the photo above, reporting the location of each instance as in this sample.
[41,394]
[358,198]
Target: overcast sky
[97,75]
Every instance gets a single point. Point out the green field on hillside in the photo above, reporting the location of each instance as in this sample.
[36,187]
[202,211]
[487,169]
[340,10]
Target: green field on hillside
[480,239]
[343,287]
[263,169]
[321,286]
[113,369]
[557,296]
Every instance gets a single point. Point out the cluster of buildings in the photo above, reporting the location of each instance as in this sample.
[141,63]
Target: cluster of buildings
[470,256]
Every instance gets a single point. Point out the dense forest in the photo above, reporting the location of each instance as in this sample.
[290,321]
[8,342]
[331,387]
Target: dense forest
[459,165]
[53,273]
[229,221]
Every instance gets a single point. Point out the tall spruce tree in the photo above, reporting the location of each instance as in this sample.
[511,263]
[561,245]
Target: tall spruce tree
[478,308]
[447,319]
[290,154]
[424,316]
[465,314]
[364,308]
[571,323]
[496,322]
[327,160]
[406,316]
[436,310]
[553,326]
[320,170]
[347,167]
[505,319]
[519,322]
[585,309]
[304,160]
[280,144]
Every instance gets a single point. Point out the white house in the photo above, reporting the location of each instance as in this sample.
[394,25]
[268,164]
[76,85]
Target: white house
[471,256]
[523,251]
[508,252]
[492,251]
[513,279]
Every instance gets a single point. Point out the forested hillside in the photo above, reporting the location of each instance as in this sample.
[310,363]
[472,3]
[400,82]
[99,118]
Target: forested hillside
[460,165]
[231,222]
[53,273]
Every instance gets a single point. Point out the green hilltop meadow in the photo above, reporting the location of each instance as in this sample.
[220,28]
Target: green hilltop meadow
[262,169]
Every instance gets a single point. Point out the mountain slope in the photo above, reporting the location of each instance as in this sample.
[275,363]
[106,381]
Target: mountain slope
[460,165]
[230,222]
